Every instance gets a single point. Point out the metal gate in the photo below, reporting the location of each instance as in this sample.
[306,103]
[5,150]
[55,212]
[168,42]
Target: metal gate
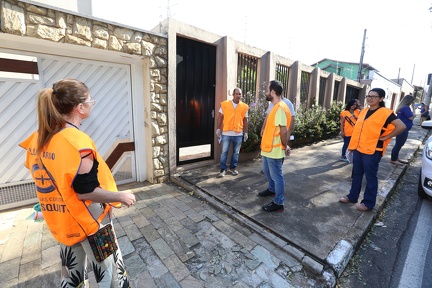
[109,124]
[195,90]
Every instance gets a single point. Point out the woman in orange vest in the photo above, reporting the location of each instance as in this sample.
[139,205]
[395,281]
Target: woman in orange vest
[74,186]
[373,131]
[348,118]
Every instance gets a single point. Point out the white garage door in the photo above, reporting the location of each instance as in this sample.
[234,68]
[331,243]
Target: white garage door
[110,122]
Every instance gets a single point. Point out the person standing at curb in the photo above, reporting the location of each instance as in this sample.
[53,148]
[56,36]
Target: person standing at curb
[424,113]
[233,121]
[274,147]
[348,118]
[404,113]
[372,133]
[75,187]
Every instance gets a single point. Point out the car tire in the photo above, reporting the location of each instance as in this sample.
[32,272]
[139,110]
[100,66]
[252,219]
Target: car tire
[420,191]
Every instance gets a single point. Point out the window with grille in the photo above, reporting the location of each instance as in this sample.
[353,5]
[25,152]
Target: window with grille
[322,88]
[282,74]
[304,87]
[351,93]
[247,67]
[336,90]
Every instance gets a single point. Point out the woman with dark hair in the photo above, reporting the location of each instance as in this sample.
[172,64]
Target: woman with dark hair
[75,187]
[375,127]
[348,118]
[405,114]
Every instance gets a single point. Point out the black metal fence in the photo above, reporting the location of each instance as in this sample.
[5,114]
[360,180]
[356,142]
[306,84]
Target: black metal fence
[247,71]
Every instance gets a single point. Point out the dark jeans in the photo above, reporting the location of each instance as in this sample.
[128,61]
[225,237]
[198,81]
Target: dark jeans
[367,165]
[346,140]
[400,141]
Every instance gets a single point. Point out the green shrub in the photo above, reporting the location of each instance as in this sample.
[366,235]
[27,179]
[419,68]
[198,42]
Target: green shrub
[256,117]
[316,123]
[252,144]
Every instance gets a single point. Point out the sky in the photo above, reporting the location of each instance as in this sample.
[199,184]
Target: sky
[398,33]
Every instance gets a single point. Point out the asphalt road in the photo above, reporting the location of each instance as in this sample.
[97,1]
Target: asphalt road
[396,251]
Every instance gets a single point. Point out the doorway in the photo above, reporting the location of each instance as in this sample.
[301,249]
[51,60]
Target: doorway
[195,91]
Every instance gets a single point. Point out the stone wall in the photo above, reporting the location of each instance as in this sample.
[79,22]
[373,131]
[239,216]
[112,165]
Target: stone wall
[22,19]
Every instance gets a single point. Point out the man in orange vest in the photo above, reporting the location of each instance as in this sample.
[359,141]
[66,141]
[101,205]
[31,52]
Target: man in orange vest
[274,147]
[233,115]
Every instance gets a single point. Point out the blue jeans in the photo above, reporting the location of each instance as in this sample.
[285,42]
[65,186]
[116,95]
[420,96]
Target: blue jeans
[226,143]
[367,165]
[346,140]
[272,169]
[400,141]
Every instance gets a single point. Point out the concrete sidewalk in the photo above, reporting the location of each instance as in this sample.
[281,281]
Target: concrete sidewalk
[314,228]
[170,238]
[203,231]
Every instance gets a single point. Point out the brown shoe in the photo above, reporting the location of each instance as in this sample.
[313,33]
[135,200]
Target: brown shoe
[361,207]
[344,199]
[395,162]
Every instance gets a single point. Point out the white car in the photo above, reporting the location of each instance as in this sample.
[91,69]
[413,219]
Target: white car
[425,179]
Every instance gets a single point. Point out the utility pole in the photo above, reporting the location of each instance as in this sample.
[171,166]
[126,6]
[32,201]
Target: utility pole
[412,77]
[361,57]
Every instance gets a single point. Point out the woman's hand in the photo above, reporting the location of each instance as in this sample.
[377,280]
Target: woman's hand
[128,199]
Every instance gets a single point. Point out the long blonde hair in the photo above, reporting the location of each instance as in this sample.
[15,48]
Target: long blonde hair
[55,103]
[406,101]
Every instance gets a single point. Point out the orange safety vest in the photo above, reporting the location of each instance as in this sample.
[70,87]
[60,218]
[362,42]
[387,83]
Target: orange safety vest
[233,118]
[67,217]
[350,121]
[366,134]
[271,131]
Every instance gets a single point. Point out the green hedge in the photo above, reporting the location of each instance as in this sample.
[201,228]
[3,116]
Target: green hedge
[316,123]
[311,124]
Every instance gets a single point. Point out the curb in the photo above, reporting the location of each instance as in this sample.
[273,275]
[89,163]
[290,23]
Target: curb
[313,266]
[337,260]
[340,256]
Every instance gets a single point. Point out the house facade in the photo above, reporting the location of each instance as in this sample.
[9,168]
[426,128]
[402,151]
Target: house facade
[125,69]
[158,90]
[395,89]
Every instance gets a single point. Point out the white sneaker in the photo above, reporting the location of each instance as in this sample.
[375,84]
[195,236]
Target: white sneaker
[234,172]
[222,173]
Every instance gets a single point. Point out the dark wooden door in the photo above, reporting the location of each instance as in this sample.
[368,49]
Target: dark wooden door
[195,89]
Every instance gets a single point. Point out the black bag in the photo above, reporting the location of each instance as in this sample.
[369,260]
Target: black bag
[103,243]
[428,117]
